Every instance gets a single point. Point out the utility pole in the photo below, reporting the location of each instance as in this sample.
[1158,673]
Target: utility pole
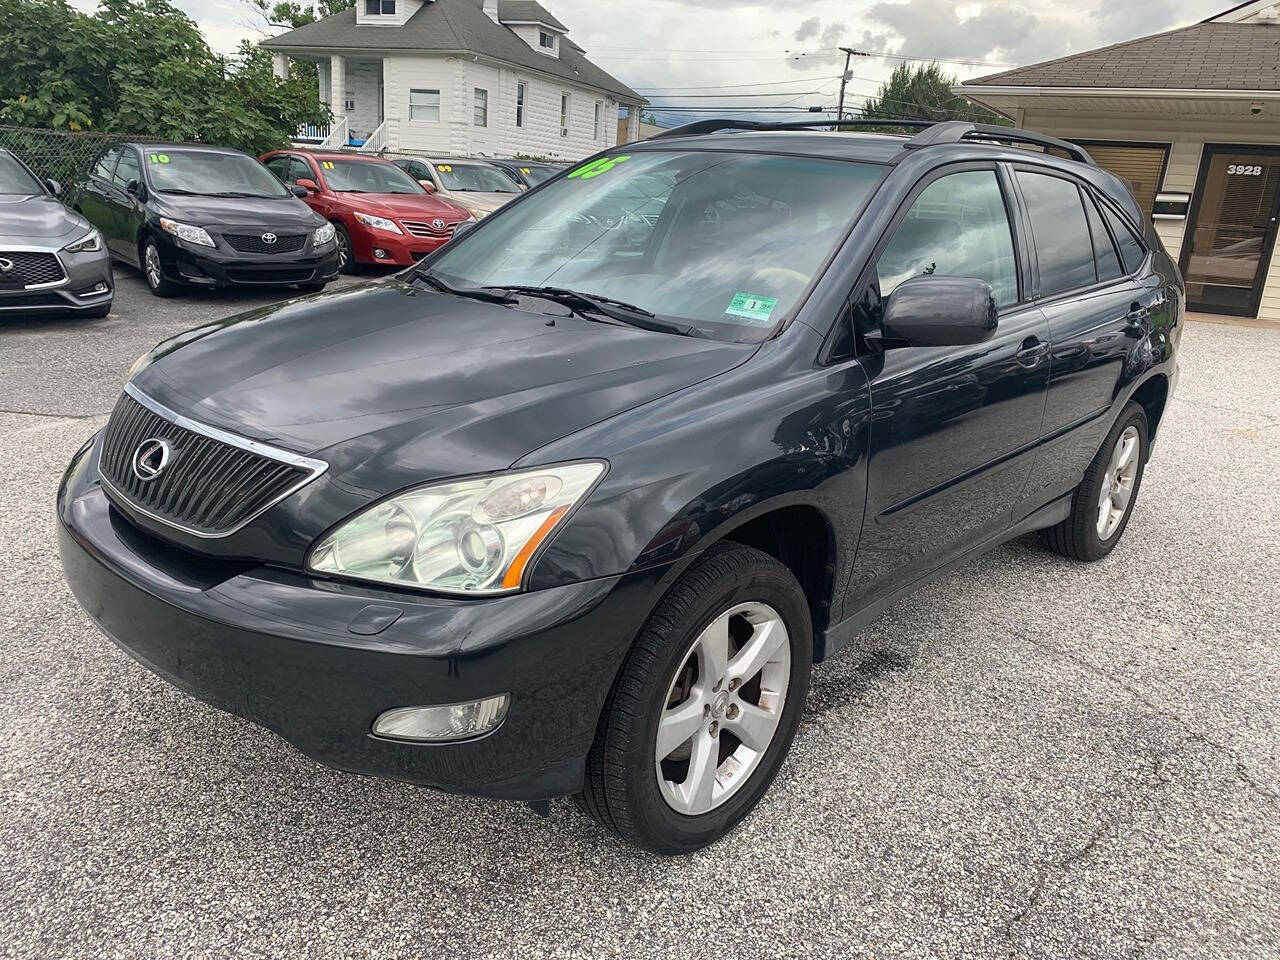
[844,79]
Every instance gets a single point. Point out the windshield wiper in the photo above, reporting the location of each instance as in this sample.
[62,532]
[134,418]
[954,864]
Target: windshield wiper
[474,293]
[241,193]
[618,310]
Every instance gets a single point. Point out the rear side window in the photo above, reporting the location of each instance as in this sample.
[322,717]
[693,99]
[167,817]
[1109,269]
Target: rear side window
[279,166]
[957,227]
[1132,251]
[127,169]
[1104,251]
[1064,248]
[106,163]
[299,169]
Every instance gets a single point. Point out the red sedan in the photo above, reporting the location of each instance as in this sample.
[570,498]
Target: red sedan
[381,214]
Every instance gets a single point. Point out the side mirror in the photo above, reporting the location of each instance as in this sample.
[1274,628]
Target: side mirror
[940,312]
[308,185]
[299,191]
[54,187]
[132,188]
[463,227]
[428,186]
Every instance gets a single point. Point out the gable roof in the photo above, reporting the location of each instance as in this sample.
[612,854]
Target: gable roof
[528,11]
[1203,56]
[449,26]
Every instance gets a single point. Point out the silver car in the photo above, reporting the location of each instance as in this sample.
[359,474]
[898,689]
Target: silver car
[51,258]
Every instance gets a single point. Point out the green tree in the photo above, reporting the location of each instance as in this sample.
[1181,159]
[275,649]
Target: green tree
[142,67]
[924,93]
[290,14]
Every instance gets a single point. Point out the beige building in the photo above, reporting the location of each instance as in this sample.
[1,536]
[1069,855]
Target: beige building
[1192,119]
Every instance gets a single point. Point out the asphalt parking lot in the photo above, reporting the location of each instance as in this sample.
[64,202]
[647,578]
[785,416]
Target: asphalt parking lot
[1029,758]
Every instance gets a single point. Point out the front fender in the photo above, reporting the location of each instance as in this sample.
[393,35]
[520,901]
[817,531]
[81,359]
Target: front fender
[688,469]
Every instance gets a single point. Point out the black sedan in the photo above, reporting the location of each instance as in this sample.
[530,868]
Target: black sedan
[196,216]
[575,513]
[527,173]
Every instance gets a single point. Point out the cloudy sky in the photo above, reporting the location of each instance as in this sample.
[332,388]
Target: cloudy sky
[672,51]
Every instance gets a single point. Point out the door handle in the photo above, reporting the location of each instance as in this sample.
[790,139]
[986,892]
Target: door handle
[1032,349]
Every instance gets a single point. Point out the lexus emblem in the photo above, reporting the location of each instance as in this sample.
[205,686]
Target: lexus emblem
[438,224]
[151,458]
[268,238]
[6,266]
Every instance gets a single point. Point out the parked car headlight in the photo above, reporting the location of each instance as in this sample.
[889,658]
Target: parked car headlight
[473,536]
[90,243]
[185,231]
[378,223]
[323,235]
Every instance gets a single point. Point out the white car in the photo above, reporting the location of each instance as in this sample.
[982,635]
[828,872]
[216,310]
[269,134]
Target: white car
[474,185]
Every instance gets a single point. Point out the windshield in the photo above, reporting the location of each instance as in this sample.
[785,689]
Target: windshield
[14,178]
[725,242]
[473,178]
[210,174]
[536,175]
[368,176]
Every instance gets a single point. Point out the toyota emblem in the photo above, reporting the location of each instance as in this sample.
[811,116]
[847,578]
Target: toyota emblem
[438,224]
[268,238]
[151,458]
[6,266]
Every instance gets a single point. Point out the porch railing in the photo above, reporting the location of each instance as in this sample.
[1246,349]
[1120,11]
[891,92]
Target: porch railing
[313,132]
[376,142]
[337,137]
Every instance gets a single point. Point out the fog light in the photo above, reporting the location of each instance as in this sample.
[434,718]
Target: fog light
[450,721]
[99,289]
[380,254]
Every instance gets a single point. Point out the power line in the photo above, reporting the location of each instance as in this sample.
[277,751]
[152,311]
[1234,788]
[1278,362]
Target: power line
[735,86]
[821,52]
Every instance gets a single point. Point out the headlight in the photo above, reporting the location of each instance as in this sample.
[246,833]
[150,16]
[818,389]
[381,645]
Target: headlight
[185,231]
[323,235]
[90,243]
[378,223]
[472,536]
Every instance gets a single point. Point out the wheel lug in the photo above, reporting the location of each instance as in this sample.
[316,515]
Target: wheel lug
[732,712]
[714,729]
[734,684]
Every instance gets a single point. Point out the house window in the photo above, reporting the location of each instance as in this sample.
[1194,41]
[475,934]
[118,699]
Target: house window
[546,41]
[595,125]
[376,8]
[564,114]
[482,108]
[520,94]
[424,106]
[349,102]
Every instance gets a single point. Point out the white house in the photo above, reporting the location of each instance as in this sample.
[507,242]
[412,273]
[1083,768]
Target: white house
[490,78]
[1191,118]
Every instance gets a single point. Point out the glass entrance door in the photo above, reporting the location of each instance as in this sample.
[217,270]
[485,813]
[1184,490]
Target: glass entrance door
[1232,229]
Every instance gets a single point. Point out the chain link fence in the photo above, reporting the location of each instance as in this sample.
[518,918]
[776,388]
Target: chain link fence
[60,154]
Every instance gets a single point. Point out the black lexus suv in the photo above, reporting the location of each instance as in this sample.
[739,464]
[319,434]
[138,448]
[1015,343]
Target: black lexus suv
[188,215]
[540,517]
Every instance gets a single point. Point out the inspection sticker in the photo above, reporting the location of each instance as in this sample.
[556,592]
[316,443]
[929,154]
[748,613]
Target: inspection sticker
[750,307]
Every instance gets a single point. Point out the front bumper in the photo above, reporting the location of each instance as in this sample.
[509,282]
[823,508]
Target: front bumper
[281,649]
[401,250]
[78,291]
[195,265]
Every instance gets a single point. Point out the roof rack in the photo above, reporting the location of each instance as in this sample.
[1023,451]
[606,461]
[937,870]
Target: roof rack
[932,132]
[954,131]
[699,127]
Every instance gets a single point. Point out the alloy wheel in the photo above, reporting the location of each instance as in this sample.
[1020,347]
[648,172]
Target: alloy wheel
[344,252]
[151,258]
[723,708]
[1118,483]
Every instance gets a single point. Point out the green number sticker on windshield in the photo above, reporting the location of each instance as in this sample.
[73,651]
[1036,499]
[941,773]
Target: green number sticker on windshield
[597,167]
[754,309]
[159,158]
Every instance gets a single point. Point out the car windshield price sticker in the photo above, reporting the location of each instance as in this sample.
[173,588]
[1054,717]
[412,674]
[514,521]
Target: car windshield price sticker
[159,158]
[752,308]
[445,168]
[327,164]
[597,167]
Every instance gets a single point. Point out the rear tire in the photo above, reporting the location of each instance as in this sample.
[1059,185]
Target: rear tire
[1089,533]
[669,685]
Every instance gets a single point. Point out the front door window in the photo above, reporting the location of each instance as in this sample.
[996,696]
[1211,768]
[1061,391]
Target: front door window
[1232,230]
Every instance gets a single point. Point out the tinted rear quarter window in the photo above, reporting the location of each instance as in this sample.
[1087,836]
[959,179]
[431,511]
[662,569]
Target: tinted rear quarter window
[1104,251]
[1064,248]
[1132,251]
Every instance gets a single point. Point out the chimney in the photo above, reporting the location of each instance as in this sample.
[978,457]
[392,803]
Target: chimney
[491,9]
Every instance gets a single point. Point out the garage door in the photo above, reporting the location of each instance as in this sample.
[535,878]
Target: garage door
[1141,165]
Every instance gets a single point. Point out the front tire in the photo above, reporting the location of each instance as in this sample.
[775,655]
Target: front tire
[706,705]
[346,258]
[1104,500]
[152,272]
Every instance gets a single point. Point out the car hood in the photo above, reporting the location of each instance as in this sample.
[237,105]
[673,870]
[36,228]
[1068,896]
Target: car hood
[488,202]
[410,206]
[38,220]
[280,213]
[394,385]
